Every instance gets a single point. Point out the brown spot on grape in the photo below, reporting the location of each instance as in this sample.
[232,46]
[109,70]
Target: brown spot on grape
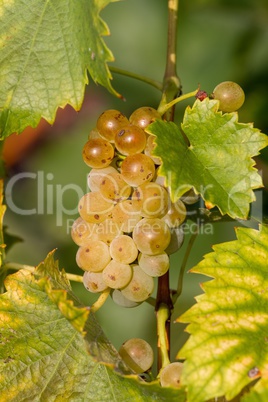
[120,249]
[94,285]
[97,217]
[122,132]
[103,161]
[112,277]
[87,250]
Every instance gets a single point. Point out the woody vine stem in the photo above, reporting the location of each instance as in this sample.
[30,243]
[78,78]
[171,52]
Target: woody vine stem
[171,89]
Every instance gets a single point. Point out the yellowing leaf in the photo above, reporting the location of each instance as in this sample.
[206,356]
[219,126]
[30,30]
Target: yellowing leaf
[44,355]
[46,50]
[228,346]
[217,162]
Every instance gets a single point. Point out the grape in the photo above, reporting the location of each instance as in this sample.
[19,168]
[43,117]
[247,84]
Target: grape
[152,236]
[93,257]
[137,354]
[116,274]
[150,146]
[108,230]
[96,176]
[170,375]
[144,116]
[176,214]
[110,122]
[121,300]
[154,265]
[130,140]
[230,95]
[127,214]
[176,241]
[93,282]
[82,232]
[123,249]
[154,199]
[140,287]
[114,187]
[93,208]
[94,134]
[98,153]
[137,169]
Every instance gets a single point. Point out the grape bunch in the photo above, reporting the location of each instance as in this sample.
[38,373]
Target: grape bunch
[128,225]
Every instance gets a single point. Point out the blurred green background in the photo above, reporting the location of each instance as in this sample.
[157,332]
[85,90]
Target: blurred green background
[217,41]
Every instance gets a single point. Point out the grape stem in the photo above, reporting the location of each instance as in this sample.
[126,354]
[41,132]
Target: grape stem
[171,89]
[183,267]
[163,315]
[156,84]
[100,301]
[164,107]
[16,267]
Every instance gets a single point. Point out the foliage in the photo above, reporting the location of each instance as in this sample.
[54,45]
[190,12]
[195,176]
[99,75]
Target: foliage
[51,345]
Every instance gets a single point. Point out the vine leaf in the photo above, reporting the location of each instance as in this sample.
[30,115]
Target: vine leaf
[228,346]
[218,160]
[46,346]
[46,49]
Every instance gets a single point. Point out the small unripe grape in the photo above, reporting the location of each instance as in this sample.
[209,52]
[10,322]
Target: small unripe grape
[137,354]
[109,122]
[230,95]
[137,169]
[98,153]
[170,375]
[144,116]
[130,140]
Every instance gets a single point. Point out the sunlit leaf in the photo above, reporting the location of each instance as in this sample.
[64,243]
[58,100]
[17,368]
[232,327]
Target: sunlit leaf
[46,50]
[217,162]
[228,346]
[46,341]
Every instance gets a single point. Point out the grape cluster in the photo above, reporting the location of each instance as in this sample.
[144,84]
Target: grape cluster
[128,225]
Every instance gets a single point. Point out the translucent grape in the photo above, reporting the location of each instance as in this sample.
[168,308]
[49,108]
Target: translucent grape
[150,146]
[137,169]
[96,176]
[116,274]
[170,376]
[93,257]
[93,208]
[176,214]
[98,153]
[144,116]
[230,95]
[93,282]
[154,265]
[123,249]
[154,199]
[114,187]
[140,287]
[121,300]
[82,232]
[108,230]
[130,140]
[152,236]
[94,134]
[110,122]
[137,354]
[176,241]
[127,214]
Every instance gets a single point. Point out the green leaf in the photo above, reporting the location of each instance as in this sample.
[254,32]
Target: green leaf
[45,340]
[46,50]
[218,160]
[228,346]
[259,393]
